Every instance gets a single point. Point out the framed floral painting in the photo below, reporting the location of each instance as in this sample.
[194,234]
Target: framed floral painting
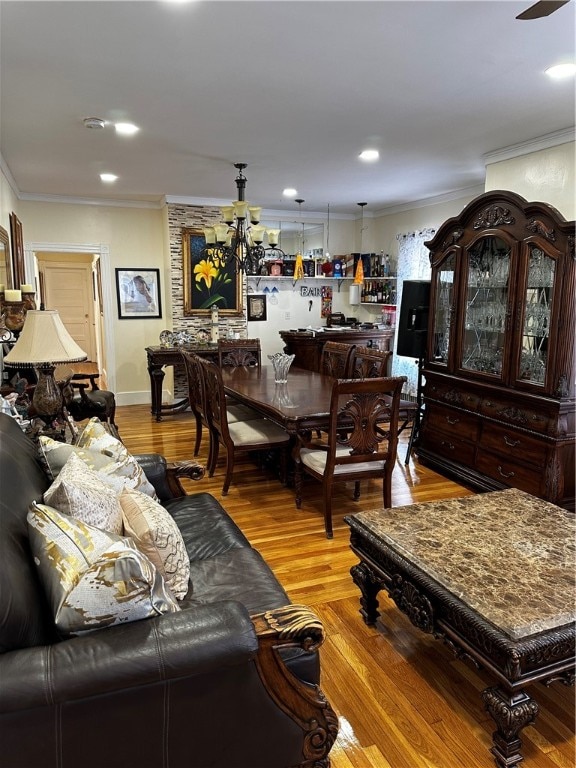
[208,282]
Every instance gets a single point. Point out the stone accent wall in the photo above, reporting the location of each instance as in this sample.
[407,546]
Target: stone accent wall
[196,217]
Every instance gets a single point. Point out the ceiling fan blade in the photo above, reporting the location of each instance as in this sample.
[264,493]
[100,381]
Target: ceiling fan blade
[541,9]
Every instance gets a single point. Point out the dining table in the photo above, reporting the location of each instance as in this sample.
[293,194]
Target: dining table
[301,404]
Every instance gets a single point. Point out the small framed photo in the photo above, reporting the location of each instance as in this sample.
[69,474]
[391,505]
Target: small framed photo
[256,306]
[138,293]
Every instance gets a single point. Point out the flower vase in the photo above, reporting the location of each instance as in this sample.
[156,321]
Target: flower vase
[281,364]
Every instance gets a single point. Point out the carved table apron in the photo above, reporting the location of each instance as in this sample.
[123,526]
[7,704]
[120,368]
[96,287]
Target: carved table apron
[492,575]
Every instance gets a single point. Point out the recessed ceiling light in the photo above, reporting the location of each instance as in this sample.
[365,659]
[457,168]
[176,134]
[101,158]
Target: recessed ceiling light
[369,155]
[290,192]
[561,70]
[126,129]
[108,177]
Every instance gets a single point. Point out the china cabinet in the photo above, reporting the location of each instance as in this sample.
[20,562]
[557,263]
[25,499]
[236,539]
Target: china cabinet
[499,394]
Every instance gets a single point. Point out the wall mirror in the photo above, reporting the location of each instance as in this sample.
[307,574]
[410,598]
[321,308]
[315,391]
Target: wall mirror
[5,260]
[307,237]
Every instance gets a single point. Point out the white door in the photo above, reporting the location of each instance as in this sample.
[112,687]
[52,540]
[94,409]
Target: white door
[68,288]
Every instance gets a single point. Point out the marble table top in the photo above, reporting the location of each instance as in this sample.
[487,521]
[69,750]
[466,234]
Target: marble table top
[507,555]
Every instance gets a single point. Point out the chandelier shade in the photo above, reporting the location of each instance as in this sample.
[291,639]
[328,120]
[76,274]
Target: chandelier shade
[237,241]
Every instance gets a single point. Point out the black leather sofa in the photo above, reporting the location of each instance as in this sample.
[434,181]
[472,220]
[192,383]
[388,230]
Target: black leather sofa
[231,681]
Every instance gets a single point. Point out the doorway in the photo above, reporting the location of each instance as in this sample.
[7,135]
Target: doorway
[93,261]
[67,285]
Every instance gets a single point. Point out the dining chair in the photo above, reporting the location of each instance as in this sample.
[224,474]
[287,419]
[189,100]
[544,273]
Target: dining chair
[196,397]
[369,363]
[335,359]
[197,401]
[238,352]
[237,437]
[357,446]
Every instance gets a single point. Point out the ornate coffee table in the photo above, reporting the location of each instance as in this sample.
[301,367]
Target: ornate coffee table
[492,575]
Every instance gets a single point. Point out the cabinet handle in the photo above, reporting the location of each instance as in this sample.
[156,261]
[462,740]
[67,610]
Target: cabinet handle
[505,474]
[510,442]
[452,421]
[445,444]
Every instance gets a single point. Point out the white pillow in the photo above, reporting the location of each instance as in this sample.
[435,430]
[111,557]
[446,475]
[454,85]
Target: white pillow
[81,492]
[156,534]
[97,439]
[93,578]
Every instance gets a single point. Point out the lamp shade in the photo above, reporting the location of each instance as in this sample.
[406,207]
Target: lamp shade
[44,339]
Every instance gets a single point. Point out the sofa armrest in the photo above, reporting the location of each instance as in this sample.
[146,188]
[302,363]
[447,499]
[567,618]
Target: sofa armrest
[165,476]
[176,645]
[289,627]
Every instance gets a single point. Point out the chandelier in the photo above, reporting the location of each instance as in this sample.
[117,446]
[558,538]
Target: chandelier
[235,241]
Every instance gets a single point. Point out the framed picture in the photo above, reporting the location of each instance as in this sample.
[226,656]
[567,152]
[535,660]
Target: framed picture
[5,260]
[256,306]
[18,276]
[138,292]
[207,281]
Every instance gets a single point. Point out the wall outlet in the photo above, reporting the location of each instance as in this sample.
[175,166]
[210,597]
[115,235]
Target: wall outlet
[286,315]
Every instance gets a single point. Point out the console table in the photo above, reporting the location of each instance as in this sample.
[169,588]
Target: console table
[491,575]
[158,357]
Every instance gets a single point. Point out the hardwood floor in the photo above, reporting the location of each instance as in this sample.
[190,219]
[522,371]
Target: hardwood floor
[403,700]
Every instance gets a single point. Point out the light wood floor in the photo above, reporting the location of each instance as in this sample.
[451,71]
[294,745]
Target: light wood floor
[402,698]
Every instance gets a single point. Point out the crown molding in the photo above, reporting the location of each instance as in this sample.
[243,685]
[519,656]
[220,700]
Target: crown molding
[98,201]
[547,141]
[456,194]
[315,217]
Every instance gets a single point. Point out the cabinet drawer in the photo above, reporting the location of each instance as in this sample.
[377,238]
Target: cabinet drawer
[516,445]
[512,472]
[449,446]
[453,396]
[510,414]
[453,423]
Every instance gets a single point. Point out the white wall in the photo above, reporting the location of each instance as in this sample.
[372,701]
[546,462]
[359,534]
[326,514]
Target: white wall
[547,176]
[136,238]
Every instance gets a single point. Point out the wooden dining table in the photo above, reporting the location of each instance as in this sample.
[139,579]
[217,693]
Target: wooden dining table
[302,404]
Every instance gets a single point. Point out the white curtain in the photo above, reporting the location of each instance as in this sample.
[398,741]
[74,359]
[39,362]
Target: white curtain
[413,264]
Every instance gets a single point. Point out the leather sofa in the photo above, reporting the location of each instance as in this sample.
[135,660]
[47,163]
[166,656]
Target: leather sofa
[230,681]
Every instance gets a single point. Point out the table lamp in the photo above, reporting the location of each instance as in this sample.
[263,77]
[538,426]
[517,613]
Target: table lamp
[43,344]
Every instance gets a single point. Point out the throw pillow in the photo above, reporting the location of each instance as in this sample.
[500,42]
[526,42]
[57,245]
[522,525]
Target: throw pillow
[92,578]
[157,535]
[80,492]
[117,471]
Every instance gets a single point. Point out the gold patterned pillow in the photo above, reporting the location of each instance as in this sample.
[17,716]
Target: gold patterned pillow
[81,492]
[157,535]
[92,578]
[117,469]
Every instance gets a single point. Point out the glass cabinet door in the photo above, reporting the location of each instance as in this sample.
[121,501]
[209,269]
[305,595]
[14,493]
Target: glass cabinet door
[444,303]
[486,307]
[537,316]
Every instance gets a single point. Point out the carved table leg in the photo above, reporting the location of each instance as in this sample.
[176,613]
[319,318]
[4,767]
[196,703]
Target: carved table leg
[369,587]
[511,712]
[156,378]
